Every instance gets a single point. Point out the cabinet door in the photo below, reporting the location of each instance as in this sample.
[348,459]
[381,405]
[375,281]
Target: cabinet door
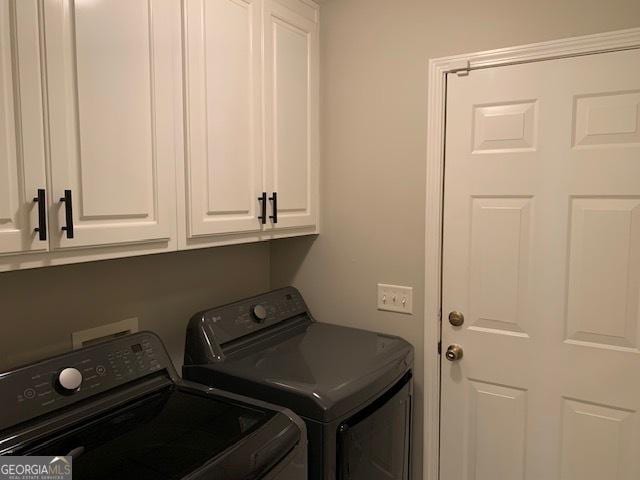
[22,164]
[223,124]
[291,105]
[113,87]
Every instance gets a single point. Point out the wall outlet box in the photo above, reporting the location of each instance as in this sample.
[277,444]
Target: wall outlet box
[91,336]
[395,298]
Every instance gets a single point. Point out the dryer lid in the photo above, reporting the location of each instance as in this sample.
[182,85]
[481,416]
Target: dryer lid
[322,372]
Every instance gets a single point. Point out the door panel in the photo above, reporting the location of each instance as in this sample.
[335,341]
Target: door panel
[113,100]
[224,154]
[597,441]
[541,253]
[291,90]
[22,163]
[291,86]
[499,269]
[605,243]
[112,118]
[497,421]
[607,119]
[505,127]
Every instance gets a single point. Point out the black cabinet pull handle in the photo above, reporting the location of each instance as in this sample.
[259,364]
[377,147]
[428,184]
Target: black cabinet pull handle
[42,215]
[274,199]
[68,213]
[263,208]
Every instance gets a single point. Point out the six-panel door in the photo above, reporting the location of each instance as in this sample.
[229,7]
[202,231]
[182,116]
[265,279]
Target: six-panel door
[223,116]
[541,253]
[22,163]
[291,111]
[113,73]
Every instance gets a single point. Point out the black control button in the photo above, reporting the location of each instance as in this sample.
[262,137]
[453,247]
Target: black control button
[29,393]
[101,370]
[259,313]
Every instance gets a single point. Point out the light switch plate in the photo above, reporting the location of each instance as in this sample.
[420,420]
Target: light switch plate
[395,298]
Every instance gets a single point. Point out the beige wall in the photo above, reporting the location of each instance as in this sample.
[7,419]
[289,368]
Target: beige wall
[374,87]
[40,308]
[374,68]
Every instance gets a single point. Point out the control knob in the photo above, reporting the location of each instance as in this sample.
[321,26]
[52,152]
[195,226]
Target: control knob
[69,380]
[259,313]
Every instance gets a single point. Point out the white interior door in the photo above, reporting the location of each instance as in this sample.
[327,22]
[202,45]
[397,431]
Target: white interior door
[223,52]
[291,121]
[22,163]
[113,71]
[542,256]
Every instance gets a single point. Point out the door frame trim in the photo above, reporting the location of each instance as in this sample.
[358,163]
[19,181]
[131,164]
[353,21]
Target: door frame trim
[438,70]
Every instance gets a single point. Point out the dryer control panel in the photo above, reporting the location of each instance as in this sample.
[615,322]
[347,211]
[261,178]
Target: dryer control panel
[228,323]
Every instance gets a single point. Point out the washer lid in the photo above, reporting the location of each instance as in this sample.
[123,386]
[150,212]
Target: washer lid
[173,434]
[322,373]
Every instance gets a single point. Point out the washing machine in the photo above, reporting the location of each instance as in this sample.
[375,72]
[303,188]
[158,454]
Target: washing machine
[118,410]
[353,388]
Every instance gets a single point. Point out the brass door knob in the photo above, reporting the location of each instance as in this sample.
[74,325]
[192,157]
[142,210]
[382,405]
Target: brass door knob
[456,319]
[454,353]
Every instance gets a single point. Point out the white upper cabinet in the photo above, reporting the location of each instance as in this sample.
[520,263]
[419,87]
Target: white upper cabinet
[223,134]
[251,121]
[22,163]
[130,127]
[113,95]
[291,110]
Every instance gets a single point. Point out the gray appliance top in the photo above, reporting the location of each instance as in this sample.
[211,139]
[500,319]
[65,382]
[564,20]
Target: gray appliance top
[319,370]
[122,399]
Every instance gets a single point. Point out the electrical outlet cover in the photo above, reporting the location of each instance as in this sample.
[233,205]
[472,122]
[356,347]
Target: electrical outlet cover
[104,332]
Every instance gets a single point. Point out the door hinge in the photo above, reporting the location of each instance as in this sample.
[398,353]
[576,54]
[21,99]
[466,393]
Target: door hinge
[461,68]
[439,348]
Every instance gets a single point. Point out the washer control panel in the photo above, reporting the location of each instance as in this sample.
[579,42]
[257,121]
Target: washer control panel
[236,320]
[45,386]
